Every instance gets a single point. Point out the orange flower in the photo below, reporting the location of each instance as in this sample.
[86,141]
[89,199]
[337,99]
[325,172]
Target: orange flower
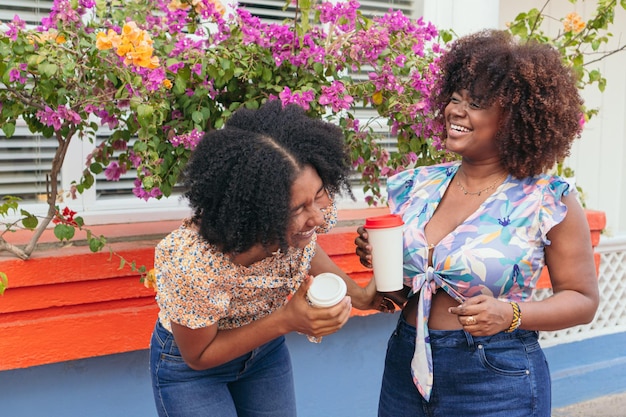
[131,32]
[177,5]
[106,41]
[167,84]
[149,281]
[377,98]
[573,23]
[199,6]
[134,45]
[50,35]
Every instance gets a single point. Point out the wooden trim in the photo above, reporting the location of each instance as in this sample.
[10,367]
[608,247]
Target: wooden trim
[68,303]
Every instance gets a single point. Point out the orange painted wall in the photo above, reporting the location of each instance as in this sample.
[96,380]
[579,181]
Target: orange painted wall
[68,303]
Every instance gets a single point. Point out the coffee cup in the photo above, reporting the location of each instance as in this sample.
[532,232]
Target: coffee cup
[385,237]
[326,290]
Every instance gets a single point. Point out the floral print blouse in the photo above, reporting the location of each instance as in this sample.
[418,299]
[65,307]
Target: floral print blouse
[498,250]
[198,286]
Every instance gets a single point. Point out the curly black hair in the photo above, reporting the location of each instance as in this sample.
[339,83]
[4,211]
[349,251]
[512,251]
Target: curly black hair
[238,179]
[537,92]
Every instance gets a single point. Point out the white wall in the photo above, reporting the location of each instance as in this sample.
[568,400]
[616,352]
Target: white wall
[463,16]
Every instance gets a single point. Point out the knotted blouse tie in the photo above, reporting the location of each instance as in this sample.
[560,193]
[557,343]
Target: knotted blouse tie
[425,284]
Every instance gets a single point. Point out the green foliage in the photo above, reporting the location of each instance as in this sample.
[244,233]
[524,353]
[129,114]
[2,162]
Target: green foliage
[581,43]
[4,282]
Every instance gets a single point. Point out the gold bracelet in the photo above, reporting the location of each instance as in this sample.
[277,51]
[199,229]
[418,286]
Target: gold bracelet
[517,317]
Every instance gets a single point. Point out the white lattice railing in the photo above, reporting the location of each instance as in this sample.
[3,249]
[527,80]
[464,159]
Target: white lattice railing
[611,315]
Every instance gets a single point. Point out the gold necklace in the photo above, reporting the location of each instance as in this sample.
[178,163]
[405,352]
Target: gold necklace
[479,192]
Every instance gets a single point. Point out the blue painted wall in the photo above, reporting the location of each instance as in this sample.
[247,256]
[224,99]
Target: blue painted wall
[587,369]
[339,377]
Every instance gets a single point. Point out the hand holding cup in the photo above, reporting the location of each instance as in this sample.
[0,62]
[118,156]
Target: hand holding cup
[385,238]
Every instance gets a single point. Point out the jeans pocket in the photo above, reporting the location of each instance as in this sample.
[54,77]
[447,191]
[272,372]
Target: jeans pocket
[506,360]
[164,345]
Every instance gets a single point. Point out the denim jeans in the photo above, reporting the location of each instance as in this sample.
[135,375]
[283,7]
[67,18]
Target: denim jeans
[257,384]
[504,375]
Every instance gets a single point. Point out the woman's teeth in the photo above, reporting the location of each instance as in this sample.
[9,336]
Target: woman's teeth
[459,128]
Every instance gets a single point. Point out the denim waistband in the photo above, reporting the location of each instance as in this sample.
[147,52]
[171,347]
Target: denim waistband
[461,337]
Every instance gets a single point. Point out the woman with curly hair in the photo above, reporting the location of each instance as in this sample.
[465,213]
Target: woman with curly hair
[260,189]
[478,232]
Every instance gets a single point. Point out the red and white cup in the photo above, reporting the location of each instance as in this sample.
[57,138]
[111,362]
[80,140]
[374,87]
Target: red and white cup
[385,237]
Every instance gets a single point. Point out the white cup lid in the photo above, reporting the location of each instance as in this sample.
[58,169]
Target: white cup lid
[326,290]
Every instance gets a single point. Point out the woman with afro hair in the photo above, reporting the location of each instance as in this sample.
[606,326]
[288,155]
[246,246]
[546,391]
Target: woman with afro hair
[260,190]
[479,231]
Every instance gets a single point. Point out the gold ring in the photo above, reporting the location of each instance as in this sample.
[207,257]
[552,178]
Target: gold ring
[470,321]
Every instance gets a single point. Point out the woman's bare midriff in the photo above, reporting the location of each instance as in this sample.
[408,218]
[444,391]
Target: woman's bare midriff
[439,318]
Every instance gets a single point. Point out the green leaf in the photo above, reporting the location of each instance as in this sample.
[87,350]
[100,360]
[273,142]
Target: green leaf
[4,282]
[166,189]
[49,70]
[8,129]
[197,117]
[29,221]
[79,221]
[180,86]
[64,232]
[18,48]
[97,243]
[96,168]
[86,182]
[144,114]
[140,146]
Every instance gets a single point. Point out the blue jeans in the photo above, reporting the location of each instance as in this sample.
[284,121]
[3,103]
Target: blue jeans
[504,375]
[257,384]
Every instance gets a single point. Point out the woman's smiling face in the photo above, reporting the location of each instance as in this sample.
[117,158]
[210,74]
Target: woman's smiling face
[308,198]
[471,127]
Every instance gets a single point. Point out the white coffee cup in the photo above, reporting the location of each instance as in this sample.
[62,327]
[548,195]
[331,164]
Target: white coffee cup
[385,237]
[326,290]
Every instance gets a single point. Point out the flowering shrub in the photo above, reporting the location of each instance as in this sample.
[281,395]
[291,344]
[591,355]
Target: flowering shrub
[159,73]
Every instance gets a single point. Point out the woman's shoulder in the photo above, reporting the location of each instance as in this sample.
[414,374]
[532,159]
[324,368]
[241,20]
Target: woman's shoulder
[186,243]
[547,184]
[421,182]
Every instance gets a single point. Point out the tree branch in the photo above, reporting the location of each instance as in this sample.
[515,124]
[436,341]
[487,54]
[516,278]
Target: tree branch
[57,163]
[8,247]
[606,54]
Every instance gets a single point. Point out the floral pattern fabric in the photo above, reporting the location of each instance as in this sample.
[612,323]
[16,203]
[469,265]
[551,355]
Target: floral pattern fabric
[498,250]
[198,286]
